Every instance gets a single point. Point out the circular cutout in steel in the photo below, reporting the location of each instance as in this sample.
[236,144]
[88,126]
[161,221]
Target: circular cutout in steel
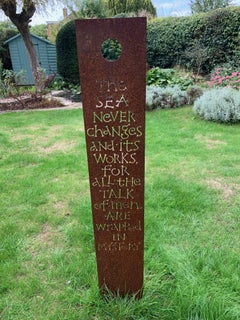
[111,49]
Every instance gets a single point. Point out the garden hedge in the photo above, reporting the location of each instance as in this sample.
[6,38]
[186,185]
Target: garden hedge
[198,42]
[66,46]
[213,37]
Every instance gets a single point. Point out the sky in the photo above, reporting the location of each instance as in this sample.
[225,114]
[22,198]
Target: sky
[164,9]
[172,8]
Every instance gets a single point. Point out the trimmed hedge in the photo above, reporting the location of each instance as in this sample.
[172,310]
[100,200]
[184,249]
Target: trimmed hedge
[181,41]
[199,42]
[66,46]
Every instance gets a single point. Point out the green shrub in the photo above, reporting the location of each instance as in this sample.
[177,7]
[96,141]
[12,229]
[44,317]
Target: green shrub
[164,43]
[9,82]
[198,42]
[159,77]
[167,77]
[161,98]
[193,93]
[220,104]
[58,84]
[7,31]
[234,61]
[66,46]
[111,49]
[1,68]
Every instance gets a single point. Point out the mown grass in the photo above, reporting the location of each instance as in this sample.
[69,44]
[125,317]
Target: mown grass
[192,252]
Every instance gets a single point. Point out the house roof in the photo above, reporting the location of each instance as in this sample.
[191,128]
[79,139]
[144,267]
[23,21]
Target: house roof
[32,35]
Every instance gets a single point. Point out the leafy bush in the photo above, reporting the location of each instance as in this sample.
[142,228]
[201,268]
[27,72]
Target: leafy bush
[75,91]
[200,41]
[7,30]
[220,104]
[58,84]
[159,77]
[232,64]
[66,46]
[161,98]
[68,90]
[167,77]
[111,49]
[193,93]
[1,68]
[225,77]
[9,80]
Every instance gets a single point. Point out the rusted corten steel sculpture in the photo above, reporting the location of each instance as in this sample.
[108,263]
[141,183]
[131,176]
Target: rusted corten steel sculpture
[113,96]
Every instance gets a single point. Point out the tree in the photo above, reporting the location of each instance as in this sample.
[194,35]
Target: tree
[138,6]
[40,30]
[198,6]
[116,6]
[21,20]
[103,8]
[87,8]
[93,9]
[7,30]
[131,6]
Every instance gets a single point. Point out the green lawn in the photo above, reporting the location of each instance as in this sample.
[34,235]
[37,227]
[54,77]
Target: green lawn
[192,224]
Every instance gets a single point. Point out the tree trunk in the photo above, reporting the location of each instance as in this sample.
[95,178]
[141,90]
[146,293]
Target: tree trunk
[35,67]
[21,21]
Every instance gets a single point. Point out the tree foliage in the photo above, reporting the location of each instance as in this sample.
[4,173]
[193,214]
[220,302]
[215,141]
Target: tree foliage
[133,6]
[40,30]
[198,6]
[87,8]
[7,30]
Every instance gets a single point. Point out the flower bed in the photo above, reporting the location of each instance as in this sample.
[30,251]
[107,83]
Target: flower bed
[223,77]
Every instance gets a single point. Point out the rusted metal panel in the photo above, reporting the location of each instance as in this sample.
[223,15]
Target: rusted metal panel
[113,95]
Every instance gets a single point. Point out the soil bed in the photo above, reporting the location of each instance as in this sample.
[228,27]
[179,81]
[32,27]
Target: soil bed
[28,102]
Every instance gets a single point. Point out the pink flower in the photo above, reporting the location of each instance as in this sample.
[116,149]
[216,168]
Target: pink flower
[224,78]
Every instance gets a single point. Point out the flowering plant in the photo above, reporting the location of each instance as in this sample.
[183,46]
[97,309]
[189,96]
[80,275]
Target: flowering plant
[223,77]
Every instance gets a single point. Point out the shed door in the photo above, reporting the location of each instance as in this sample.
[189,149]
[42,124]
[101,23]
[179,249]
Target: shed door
[21,61]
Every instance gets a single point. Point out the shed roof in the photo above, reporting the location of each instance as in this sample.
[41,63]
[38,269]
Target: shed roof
[32,35]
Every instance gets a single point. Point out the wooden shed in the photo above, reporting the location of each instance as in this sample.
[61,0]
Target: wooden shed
[45,50]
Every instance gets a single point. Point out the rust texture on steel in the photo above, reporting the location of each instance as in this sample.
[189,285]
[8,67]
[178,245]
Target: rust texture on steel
[113,95]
